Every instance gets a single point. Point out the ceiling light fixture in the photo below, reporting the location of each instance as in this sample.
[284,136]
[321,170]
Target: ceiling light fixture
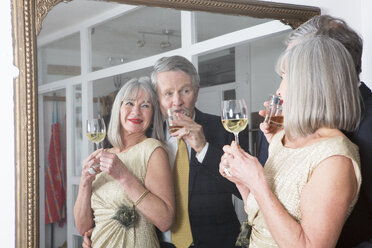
[115,60]
[166,44]
[163,44]
[142,42]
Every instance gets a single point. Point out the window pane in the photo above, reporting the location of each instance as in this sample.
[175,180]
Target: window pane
[77,130]
[78,241]
[210,25]
[60,59]
[217,67]
[133,36]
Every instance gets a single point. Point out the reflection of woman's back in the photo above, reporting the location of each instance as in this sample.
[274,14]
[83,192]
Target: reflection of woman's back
[108,196]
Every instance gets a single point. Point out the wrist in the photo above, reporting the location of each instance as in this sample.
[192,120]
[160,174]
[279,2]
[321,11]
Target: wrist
[127,179]
[200,148]
[260,186]
[85,187]
[86,182]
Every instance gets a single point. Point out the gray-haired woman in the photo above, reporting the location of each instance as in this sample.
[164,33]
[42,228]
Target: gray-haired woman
[311,180]
[132,189]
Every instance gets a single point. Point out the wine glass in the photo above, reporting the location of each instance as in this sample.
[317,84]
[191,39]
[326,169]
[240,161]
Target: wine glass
[274,111]
[234,116]
[171,116]
[96,130]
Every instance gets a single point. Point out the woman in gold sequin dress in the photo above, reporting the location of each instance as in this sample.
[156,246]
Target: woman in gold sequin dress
[132,189]
[311,180]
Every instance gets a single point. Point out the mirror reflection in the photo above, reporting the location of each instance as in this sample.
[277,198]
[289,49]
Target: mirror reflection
[84,60]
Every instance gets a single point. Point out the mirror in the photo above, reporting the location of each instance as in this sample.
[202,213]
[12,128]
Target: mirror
[28,16]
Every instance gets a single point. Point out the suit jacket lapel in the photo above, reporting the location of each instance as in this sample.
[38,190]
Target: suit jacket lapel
[365,92]
[194,163]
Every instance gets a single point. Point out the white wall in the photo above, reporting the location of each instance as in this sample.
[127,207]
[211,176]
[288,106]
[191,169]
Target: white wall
[356,13]
[264,79]
[366,30]
[345,9]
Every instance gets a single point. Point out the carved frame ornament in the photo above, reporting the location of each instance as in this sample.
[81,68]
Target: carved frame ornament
[27,17]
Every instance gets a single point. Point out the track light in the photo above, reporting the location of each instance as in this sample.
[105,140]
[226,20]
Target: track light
[141,43]
[165,44]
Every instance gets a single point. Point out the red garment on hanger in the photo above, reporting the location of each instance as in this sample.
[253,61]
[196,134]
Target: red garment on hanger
[55,197]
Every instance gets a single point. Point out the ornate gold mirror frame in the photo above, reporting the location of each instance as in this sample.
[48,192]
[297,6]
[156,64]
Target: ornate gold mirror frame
[27,17]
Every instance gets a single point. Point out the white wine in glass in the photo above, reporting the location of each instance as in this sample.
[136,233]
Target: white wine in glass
[96,133]
[96,130]
[96,137]
[234,116]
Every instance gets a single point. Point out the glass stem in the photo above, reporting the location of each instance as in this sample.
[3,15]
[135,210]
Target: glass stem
[237,138]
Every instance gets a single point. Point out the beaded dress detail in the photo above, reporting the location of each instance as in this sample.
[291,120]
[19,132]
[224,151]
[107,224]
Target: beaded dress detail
[287,171]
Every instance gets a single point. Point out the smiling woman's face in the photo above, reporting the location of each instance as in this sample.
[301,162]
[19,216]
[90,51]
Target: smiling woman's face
[136,114]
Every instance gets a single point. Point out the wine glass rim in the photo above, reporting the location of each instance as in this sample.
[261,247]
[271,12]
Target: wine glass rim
[230,100]
[92,121]
[95,118]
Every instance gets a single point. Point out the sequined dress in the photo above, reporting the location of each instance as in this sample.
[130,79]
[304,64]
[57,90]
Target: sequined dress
[288,171]
[108,195]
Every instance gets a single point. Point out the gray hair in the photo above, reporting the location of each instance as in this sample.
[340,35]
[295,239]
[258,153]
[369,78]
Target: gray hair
[335,28]
[130,91]
[322,88]
[175,63]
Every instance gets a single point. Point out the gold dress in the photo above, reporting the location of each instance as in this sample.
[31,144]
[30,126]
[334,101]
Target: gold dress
[288,171]
[108,195]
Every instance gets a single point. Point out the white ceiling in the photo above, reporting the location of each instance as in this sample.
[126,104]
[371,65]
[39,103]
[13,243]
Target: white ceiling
[67,14]
[119,37]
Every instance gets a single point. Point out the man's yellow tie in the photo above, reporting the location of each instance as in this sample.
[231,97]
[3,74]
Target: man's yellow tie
[181,230]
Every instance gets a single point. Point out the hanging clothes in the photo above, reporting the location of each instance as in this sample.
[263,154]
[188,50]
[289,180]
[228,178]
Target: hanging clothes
[55,188]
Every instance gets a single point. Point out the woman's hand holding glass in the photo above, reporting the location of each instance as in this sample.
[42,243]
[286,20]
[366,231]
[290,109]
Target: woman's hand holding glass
[112,165]
[103,161]
[243,168]
[91,163]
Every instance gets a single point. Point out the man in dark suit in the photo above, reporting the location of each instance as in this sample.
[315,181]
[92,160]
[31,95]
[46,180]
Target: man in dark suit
[212,219]
[358,227]
[357,231]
